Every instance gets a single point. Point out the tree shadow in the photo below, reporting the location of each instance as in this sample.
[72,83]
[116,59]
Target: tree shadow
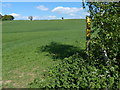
[61,51]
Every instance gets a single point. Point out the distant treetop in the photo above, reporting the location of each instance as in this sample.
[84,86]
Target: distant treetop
[6,17]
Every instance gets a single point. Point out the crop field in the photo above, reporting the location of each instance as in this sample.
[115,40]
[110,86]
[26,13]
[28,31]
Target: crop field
[22,40]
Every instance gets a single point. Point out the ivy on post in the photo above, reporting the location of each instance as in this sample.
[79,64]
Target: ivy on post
[88,20]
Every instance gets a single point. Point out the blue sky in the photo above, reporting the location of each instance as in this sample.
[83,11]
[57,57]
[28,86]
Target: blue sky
[41,0]
[44,10]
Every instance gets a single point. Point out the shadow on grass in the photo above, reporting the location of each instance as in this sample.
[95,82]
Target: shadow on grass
[61,51]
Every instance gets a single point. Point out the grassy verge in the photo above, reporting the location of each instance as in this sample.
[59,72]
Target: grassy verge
[21,41]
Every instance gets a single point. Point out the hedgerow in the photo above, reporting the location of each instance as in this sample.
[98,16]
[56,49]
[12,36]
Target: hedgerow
[75,72]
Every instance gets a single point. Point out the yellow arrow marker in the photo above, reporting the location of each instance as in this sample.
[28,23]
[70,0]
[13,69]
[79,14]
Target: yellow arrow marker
[88,20]
[88,32]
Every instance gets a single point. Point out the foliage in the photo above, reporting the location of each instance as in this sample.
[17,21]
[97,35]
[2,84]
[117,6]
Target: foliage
[75,72]
[7,17]
[30,17]
[0,16]
[105,45]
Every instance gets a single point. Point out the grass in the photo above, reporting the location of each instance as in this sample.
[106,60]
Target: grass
[21,41]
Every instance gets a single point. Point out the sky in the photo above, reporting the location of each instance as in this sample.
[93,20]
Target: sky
[44,10]
[41,0]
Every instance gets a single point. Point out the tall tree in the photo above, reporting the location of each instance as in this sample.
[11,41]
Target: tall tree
[105,22]
[0,16]
[7,17]
[30,17]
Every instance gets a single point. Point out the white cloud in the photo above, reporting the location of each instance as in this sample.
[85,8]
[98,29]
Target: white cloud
[72,14]
[74,17]
[67,10]
[44,17]
[19,16]
[86,13]
[15,14]
[36,17]
[42,8]
[77,17]
[22,18]
[52,17]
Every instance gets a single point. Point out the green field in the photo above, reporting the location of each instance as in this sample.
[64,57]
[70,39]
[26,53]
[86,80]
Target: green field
[22,40]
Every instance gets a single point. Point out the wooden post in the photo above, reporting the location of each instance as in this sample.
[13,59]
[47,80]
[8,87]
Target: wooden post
[88,21]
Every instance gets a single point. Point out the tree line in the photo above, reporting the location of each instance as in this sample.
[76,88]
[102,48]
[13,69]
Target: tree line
[6,17]
[10,17]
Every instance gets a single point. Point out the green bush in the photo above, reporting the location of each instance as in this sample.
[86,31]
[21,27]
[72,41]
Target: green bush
[7,17]
[75,72]
[105,22]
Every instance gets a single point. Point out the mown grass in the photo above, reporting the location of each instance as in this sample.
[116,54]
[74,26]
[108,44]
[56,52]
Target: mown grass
[21,41]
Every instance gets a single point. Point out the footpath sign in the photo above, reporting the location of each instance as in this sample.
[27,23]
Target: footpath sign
[88,21]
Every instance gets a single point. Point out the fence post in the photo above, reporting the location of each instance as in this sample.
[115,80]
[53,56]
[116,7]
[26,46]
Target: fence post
[88,21]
